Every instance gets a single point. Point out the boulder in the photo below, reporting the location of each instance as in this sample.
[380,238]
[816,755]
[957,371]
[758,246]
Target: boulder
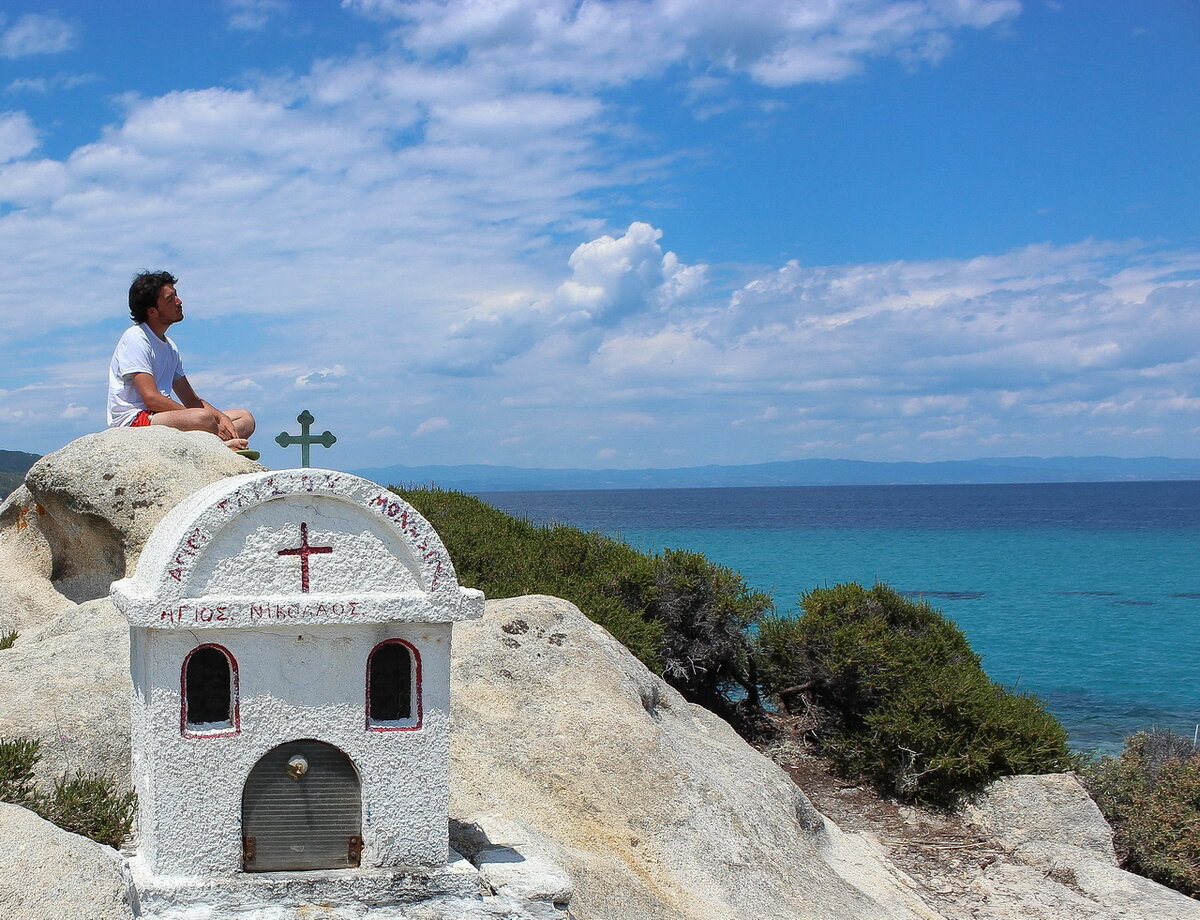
[78,522]
[1062,865]
[1054,809]
[67,686]
[27,596]
[566,750]
[49,874]
[96,501]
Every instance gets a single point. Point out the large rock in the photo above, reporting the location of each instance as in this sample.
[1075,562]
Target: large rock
[80,521]
[67,686]
[49,874]
[99,498]
[27,596]
[1053,809]
[1061,865]
[567,749]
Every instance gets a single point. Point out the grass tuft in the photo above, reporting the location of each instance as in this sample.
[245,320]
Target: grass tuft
[83,803]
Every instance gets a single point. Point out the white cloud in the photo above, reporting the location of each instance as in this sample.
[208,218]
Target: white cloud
[72,411]
[430,425]
[43,85]
[36,33]
[17,136]
[775,42]
[242,384]
[927,346]
[252,15]
[614,280]
[326,376]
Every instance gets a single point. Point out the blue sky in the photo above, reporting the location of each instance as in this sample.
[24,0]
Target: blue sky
[616,234]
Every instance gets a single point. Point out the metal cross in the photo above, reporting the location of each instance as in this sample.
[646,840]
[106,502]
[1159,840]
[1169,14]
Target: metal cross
[304,551]
[304,439]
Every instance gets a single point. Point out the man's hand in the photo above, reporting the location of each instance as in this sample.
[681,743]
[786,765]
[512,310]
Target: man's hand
[225,429]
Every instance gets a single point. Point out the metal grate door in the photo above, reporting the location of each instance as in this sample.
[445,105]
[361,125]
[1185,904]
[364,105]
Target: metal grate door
[302,809]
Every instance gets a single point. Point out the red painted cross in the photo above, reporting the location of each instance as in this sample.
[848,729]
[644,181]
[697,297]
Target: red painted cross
[304,551]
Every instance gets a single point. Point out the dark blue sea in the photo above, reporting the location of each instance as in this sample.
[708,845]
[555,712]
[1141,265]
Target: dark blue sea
[1087,594]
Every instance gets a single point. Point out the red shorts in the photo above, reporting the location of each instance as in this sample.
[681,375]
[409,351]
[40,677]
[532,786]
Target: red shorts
[141,420]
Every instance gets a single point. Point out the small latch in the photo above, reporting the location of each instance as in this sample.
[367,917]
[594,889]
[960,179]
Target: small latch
[297,767]
[354,849]
[248,849]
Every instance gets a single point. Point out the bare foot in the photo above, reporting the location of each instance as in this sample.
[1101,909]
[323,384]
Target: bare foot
[237,443]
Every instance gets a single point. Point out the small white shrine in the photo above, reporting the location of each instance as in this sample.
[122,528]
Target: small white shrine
[290,656]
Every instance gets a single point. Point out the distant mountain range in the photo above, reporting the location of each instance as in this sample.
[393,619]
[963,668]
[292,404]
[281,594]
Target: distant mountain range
[14,464]
[484,478]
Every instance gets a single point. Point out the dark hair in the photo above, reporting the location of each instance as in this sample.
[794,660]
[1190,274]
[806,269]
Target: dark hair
[143,293]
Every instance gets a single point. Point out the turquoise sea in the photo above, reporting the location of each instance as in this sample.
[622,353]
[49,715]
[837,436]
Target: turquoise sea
[1087,594]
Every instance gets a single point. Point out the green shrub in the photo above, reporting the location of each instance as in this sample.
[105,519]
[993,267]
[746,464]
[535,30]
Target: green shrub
[505,556]
[706,611]
[681,615]
[85,803]
[18,757]
[7,640]
[900,699]
[89,804]
[1151,796]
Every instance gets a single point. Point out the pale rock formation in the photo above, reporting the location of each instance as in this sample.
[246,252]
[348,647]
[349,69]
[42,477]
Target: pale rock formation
[1053,809]
[96,501]
[49,874]
[67,686]
[1062,864]
[567,749]
[80,521]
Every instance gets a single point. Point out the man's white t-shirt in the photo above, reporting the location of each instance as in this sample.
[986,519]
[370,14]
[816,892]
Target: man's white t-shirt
[139,351]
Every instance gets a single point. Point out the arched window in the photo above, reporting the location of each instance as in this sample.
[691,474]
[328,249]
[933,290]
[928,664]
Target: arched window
[209,693]
[394,687]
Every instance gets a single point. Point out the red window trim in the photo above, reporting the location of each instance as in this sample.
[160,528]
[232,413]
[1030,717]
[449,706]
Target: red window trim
[234,690]
[419,701]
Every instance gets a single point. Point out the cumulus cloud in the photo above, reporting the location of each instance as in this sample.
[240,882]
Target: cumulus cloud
[613,280]
[36,33]
[774,42]
[17,136]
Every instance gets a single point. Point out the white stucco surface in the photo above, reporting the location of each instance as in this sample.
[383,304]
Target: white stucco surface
[295,577]
[214,561]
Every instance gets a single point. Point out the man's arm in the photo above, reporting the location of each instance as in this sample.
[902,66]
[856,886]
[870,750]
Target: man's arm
[183,389]
[153,400]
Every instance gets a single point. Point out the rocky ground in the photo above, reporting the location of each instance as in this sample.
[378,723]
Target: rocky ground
[940,852]
[984,862]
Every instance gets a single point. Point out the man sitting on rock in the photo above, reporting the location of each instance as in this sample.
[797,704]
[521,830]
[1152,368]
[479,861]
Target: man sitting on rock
[146,367]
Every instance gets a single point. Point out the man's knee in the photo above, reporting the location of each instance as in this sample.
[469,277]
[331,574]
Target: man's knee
[243,421]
